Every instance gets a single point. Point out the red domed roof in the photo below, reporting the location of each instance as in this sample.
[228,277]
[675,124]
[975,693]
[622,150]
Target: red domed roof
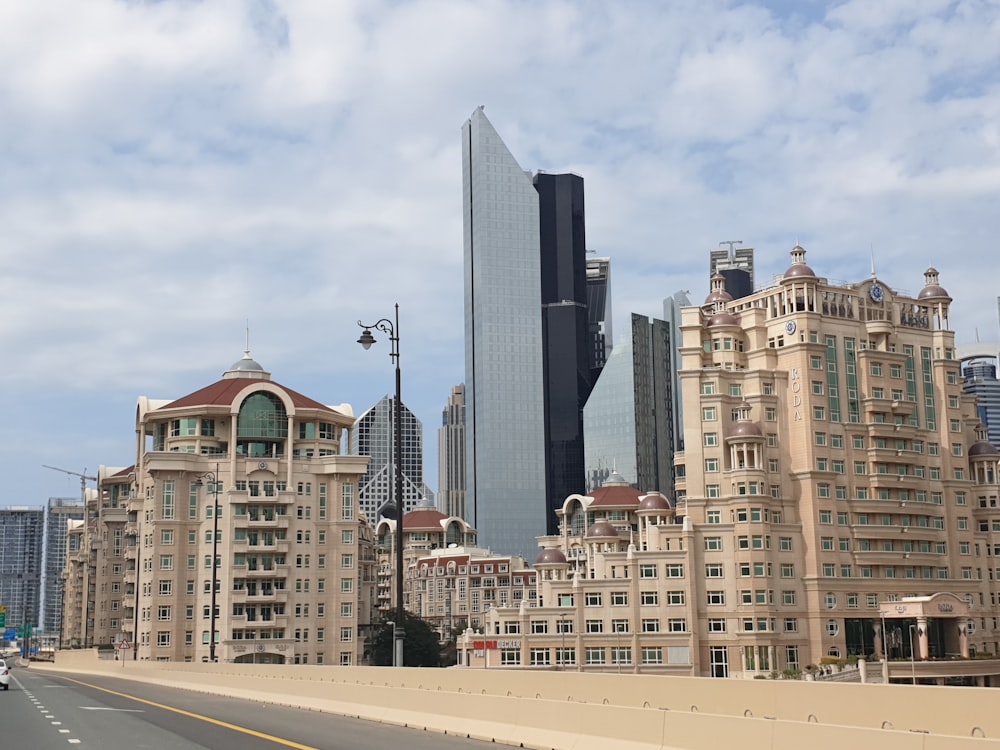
[602,530]
[423,518]
[654,501]
[615,495]
[551,557]
[616,492]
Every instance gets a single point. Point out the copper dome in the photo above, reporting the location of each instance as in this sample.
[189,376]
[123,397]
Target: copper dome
[723,319]
[654,501]
[602,530]
[551,557]
[983,448]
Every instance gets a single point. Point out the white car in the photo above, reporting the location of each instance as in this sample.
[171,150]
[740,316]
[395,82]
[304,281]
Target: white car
[4,675]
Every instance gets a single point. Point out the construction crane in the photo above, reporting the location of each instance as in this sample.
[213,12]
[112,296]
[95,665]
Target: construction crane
[84,478]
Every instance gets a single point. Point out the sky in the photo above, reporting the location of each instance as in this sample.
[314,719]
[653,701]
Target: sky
[175,173]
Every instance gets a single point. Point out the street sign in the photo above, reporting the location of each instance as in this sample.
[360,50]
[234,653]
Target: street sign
[10,634]
[3,615]
[123,646]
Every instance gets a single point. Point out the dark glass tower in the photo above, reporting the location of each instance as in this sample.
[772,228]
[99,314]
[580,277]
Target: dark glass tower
[567,351]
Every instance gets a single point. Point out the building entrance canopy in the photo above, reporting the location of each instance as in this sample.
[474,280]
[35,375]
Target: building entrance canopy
[939,605]
[921,609]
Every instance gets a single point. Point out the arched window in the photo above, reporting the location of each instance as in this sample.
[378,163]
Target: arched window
[262,426]
[577,519]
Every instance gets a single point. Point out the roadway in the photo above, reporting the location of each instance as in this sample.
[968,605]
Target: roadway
[45,710]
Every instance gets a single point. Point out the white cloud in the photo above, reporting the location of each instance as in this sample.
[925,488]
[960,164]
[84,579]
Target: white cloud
[170,170]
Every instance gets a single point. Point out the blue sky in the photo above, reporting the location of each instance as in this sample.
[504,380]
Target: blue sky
[171,170]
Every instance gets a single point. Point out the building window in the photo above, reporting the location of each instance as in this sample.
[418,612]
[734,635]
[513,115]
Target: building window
[595,655]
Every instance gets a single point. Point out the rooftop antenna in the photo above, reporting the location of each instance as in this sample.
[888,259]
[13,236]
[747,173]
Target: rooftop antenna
[247,349]
[872,246]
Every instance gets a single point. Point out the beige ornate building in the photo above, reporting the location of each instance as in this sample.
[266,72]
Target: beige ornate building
[295,565]
[450,582]
[836,497]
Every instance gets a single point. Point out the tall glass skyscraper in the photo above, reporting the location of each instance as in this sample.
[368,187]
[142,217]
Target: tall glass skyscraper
[504,374]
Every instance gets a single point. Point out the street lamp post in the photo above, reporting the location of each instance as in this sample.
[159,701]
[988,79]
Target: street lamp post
[213,477]
[366,340]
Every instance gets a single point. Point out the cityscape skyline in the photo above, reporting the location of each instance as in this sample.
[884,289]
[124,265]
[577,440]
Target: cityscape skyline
[219,165]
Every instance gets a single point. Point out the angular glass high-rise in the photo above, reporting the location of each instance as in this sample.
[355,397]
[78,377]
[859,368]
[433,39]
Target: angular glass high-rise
[374,436]
[628,418]
[504,376]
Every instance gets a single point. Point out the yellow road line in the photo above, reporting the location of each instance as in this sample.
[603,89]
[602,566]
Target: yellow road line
[209,719]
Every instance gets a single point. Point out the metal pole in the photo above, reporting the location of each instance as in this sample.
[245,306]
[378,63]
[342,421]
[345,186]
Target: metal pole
[215,561]
[366,340]
[398,435]
[913,663]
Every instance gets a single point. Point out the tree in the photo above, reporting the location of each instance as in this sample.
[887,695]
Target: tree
[421,647]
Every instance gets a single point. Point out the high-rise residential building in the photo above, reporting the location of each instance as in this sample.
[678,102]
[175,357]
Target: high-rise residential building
[980,380]
[735,265]
[529,345]
[451,455]
[59,513]
[99,576]
[836,497]
[375,436]
[248,484]
[628,419]
[21,564]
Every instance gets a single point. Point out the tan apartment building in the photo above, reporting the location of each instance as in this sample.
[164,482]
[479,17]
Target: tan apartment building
[251,477]
[836,497]
[453,585]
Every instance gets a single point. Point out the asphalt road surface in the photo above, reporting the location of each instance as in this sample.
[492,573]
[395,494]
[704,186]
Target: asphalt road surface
[45,710]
